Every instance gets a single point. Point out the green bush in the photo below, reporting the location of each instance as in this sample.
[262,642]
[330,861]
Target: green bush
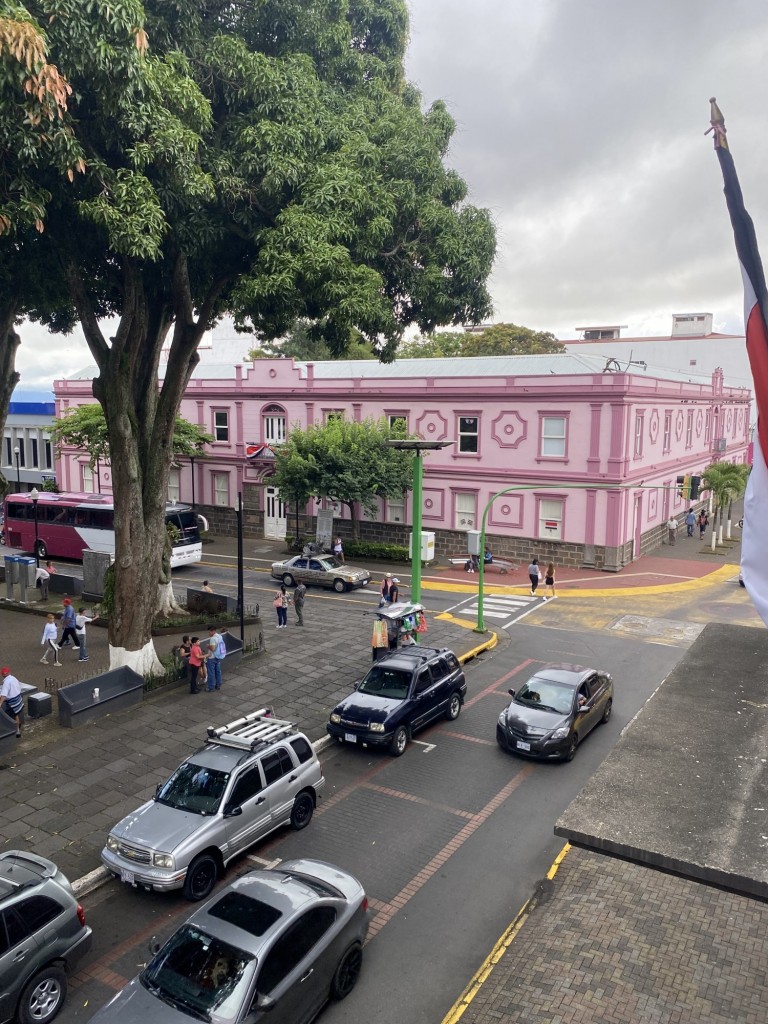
[375,549]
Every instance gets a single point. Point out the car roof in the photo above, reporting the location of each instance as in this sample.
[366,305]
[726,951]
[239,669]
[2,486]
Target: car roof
[226,759]
[406,656]
[19,870]
[566,675]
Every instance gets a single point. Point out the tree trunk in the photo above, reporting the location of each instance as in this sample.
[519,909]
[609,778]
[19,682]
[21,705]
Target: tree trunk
[354,520]
[728,523]
[9,378]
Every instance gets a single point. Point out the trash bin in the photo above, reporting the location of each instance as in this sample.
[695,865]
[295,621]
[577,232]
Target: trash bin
[27,568]
[11,574]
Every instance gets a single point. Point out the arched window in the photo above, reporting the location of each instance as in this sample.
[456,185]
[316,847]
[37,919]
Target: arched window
[273,424]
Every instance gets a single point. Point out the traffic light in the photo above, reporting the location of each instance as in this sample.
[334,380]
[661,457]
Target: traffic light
[684,487]
[695,485]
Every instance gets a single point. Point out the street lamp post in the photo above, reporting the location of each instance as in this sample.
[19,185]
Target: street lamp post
[417,446]
[35,496]
[18,471]
[240,587]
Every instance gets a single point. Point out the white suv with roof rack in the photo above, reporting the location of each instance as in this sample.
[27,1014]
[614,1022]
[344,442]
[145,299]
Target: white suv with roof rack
[248,779]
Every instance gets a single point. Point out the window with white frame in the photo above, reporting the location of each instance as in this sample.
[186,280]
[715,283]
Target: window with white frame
[373,515]
[48,453]
[34,453]
[550,519]
[273,421]
[396,510]
[639,425]
[469,430]
[220,489]
[20,444]
[553,436]
[174,485]
[465,511]
[708,426]
[689,429]
[87,476]
[220,425]
[667,431]
[8,452]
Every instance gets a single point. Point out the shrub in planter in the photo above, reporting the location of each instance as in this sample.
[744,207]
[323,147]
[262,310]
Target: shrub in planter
[375,549]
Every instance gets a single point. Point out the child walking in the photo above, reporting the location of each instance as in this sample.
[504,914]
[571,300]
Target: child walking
[50,635]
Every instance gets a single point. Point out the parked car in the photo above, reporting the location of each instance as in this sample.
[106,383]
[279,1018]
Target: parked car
[320,571]
[401,694]
[552,713]
[249,778]
[275,944]
[43,934]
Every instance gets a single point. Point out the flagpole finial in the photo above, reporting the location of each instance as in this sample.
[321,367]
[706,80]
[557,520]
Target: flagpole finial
[717,124]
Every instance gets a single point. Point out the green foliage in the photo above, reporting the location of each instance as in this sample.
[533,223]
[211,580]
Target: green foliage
[108,597]
[51,486]
[439,345]
[344,461]
[497,340]
[305,343]
[726,481]
[375,549]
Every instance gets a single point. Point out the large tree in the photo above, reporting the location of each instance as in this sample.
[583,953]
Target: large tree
[344,461]
[300,344]
[268,160]
[496,340]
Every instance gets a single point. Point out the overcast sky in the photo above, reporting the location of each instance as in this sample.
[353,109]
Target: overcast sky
[580,126]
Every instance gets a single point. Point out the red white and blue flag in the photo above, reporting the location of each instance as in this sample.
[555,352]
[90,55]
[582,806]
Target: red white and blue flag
[753,554]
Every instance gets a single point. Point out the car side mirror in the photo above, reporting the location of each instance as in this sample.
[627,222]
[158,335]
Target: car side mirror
[357,683]
[158,787]
[232,812]
[263,1003]
[582,708]
[153,945]
[511,693]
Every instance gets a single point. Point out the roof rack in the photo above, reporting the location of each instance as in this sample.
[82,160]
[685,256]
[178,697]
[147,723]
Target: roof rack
[251,731]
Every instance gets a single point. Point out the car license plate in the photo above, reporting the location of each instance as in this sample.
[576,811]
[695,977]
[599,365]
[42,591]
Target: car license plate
[350,737]
[522,746]
[366,582]
[127,876]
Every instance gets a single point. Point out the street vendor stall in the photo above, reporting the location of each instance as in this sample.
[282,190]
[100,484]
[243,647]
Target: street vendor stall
[396,625]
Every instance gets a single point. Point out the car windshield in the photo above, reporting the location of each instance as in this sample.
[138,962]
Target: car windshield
[330,562]
[545,695]
[382,681]
[192,787]
[200,975]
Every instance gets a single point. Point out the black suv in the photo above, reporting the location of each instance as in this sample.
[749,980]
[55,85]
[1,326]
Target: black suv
[42,935]
[400,695]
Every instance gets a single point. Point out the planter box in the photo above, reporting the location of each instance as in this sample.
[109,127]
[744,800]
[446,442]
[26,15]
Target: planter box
[8,741]
[121,688]
[62,583]
[234,647]
[202,603]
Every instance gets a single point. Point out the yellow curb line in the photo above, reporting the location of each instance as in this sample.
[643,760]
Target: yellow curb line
[487,645]
[486,968]
[725,572]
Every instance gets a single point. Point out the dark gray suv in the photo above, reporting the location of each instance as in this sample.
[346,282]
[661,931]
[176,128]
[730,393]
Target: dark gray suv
[42,936]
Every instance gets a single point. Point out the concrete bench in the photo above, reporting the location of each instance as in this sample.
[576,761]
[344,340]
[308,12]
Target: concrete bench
[234,647]
[118,689]
[8,742]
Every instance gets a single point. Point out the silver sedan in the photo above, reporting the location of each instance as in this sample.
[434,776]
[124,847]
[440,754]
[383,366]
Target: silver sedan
[320,571]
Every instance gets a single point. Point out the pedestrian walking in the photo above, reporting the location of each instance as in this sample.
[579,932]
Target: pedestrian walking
[703,522]
[217,652]
[386,583]
[195,664]
[534,575]
[394,590]
[298,602]
[280,604]
[81,621]
[338,550]
[41,580]
[671,530]
[50,641]
[68,623]
[10,694]
[549,580]
[690,522]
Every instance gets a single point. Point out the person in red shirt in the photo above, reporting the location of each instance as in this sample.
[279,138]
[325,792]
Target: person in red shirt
[196,660]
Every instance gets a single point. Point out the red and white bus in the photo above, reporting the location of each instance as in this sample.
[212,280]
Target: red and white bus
[67,524]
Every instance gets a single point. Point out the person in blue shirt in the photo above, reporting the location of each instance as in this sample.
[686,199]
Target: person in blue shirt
[690,522]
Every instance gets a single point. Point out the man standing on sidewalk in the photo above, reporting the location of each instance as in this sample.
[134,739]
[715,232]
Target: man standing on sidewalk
[690,522]
[671,530]
[216,654]
[298,602]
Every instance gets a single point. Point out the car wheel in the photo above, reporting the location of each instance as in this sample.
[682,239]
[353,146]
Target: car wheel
[201,877]
[571,752]
[41,549]
[43,997]
[399,741]
[348,971]
[339,586]
[453,710]
[301,814]
[607,712]
[288,579]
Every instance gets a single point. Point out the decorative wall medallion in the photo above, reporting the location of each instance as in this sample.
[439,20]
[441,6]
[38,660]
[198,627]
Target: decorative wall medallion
[432,425]
[653,428]
[699,422]
[509,429]
[680,419]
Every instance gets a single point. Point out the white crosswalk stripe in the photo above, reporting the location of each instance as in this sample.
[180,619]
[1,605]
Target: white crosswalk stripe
[507,609]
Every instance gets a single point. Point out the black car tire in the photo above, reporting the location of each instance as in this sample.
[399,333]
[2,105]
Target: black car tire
[571,752]
[453,710]
[399,741]
[347,972]
[41,549]
[302,811]
[43,996]
[339,586]
[201,877]
[288,580]
[607,712]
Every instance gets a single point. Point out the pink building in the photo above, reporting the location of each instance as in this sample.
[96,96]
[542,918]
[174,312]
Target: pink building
[597,453]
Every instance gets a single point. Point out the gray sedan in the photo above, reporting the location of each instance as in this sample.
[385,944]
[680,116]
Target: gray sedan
[274,945]
[320,571]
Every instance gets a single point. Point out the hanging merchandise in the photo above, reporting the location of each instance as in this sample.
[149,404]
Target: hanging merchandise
[421,623]
[380,637]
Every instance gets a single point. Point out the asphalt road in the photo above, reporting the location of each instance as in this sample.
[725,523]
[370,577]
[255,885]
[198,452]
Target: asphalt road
[449,840]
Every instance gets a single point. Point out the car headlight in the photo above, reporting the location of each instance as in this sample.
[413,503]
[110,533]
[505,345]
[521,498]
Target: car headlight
[162,860]
[376,726]
[503,718]
[561,733]
[113,843]
[335,719]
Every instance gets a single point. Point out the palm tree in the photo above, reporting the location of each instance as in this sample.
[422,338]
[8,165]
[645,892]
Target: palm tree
[738,475]
[725,481]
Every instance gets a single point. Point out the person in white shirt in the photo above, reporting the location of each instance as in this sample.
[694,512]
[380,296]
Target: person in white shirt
[49,641]
[10,694]
[41,580]
[81,621]
[672,529]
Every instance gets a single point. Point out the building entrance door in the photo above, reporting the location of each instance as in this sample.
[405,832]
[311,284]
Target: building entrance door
[274,514]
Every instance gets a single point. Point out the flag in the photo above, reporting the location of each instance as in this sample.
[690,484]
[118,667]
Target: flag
[754,562]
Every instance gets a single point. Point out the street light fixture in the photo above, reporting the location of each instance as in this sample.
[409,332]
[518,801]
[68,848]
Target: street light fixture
[35,496]
[240,587]
[417,446]
[18,471]
[192,473]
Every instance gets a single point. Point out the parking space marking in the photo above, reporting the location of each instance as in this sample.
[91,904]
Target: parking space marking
[427,746]
[411,798]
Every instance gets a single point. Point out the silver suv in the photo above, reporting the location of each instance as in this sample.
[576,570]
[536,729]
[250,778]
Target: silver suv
[249,778]
[42,936]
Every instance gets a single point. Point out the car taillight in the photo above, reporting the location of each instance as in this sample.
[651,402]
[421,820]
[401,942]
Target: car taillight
[81,915]
[365,903]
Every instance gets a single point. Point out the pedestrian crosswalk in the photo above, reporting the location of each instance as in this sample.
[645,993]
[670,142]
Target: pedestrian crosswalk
[504,610]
